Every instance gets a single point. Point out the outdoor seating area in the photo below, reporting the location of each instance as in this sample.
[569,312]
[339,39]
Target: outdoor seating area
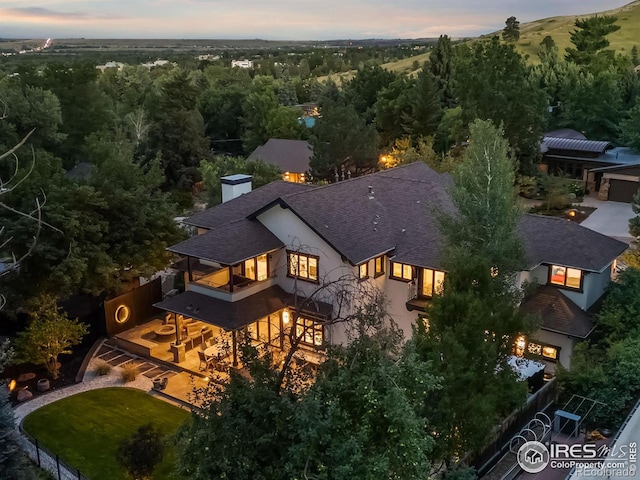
[154,340]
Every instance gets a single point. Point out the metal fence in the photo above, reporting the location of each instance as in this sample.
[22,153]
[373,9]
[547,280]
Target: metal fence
[501,436]
[50,461]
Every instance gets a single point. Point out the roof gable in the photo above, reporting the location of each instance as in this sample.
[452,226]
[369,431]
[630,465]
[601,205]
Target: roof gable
[559,314]
[244,205]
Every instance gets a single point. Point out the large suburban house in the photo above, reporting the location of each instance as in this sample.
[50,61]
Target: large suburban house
[261,253]
[292,157]
[610,172]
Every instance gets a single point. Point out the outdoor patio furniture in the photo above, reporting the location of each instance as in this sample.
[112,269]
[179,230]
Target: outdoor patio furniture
[204,360]
[160,383]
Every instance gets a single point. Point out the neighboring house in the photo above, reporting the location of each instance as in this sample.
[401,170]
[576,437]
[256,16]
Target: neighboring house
[618,183]
[292,157]
[609,171]
[157,63]
[242,63]
[118,65]
[256,248]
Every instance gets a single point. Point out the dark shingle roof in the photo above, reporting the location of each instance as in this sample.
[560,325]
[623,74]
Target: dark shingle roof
[244,205]
[398,218]
[558,313]
[236,242]
[288,155]
[555,240]
[235,315]
[397,215]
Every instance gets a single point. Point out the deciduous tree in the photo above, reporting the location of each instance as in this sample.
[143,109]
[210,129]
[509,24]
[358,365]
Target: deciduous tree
[49,335]
[471,327]
[140,454]
[361,418]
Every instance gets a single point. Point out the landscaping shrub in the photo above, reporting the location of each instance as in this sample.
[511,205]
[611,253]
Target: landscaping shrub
[139,454]
[130,372]
[103,368]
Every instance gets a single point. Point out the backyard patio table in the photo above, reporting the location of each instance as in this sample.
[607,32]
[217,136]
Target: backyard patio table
[212,352]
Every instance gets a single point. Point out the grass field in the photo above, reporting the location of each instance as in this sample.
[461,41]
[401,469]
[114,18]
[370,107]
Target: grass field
[560,28]
[85,429]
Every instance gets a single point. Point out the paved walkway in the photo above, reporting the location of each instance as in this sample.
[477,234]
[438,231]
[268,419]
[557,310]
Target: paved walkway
[611,219]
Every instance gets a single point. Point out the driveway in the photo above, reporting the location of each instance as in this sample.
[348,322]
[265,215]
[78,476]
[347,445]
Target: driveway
[611,219]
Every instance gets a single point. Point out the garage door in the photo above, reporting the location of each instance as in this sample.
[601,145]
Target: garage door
[622,190]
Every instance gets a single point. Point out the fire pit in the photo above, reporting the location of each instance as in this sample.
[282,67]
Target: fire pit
[165,333]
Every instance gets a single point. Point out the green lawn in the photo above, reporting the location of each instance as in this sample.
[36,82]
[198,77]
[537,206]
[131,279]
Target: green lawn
[85,429]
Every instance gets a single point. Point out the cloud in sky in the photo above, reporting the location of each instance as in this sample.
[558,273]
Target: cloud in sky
[275,19]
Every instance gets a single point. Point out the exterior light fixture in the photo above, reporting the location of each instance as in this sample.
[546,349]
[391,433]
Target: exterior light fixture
[122,314]
[520,344]
[285,316]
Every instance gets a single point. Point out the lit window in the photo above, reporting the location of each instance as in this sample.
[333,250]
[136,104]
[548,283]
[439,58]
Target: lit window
[302,266]
[267,330]
[401,271]
[533,349]
[432,282]
[250,268]
[310,332]
[550,352]
[263,271]
[256,268]
[565,277]
[363,271]
[379,266]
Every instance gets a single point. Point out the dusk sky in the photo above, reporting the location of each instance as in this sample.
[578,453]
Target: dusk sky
[275,19]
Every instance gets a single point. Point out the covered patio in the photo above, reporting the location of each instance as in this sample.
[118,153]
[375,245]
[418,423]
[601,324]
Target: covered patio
[200,334]
[228,319]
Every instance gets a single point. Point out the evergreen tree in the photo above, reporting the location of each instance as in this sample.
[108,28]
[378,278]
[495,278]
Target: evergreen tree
[492,81]
[440,64]
[177,130]
[590,38]
[13,463]
[342,140]
[635,58]
[511,32]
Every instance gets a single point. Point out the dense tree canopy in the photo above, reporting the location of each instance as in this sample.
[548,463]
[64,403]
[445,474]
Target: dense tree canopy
[342,140]
[492,82]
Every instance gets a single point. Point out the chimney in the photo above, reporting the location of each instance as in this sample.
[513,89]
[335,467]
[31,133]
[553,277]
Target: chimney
[235,185]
